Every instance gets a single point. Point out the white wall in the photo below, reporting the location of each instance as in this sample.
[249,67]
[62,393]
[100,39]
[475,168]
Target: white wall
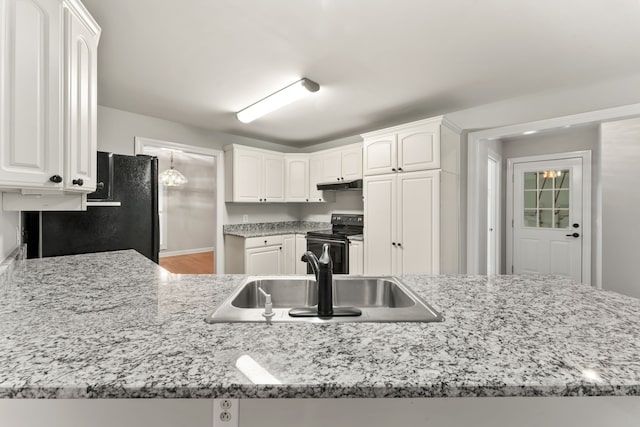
[117,128]
[261,212]
[346,202]
[620,206]
[557,141]
[8,223]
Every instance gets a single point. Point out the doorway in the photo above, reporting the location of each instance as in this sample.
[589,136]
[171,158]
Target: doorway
[548,215]
[191,215]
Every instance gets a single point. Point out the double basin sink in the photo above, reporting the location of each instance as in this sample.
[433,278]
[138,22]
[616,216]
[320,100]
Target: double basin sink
[381,299]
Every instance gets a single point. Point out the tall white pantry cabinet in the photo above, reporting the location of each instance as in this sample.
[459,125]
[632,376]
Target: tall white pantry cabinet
[412,199]
[48,133]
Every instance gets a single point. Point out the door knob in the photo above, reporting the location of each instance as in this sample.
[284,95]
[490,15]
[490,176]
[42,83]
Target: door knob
[78,181]
[576,235]
[56,178]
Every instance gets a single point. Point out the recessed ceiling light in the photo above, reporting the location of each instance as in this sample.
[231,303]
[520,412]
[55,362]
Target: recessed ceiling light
[530,132]
[279,99]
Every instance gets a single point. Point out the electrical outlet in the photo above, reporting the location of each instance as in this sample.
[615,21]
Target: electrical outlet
[245,218]
[226,412]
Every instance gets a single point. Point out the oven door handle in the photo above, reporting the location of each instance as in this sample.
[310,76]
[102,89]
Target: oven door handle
[326,240]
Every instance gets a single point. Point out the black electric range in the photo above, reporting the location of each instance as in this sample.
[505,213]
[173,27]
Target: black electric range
[342,226]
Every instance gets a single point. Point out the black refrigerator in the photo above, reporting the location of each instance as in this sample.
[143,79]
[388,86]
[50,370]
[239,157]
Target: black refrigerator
[121,214]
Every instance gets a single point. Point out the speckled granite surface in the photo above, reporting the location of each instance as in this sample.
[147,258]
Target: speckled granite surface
[273,228]
[116,325]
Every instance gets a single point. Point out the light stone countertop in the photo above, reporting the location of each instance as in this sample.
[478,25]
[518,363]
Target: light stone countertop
[115,325]
[262,229]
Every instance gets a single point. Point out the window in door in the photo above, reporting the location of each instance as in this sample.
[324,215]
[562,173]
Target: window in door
[546,199]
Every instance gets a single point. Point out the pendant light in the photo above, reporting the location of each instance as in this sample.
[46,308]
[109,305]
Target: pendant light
[172,177]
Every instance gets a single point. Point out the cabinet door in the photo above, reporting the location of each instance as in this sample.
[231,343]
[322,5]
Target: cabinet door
[297,179]
[380,155]
[301,248]
[418,223]
[273,176]
[332,166]
[30,145]
[352,163]
[419,148]
[315,177]
[247,176]
[81,53]
[356,258]
[289,255]
[266,260]
[379,227]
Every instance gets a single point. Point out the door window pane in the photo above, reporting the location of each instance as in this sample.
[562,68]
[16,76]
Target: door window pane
[530,181]
[562,199]
[530,201]
[545,219]
[530,218]
[562,181]
[545,200]
[561,218]
[544,183]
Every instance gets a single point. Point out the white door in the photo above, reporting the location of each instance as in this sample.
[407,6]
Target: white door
[30,146]
[273,178]
[265,260]
[380,155]
[81,55]
[419,148]
[297,180]
[493,212]
[379,228]
[352,163]
[547,218]
[418,217]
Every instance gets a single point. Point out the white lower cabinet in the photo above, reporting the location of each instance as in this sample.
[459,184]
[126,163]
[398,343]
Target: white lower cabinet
[356,258]
[278,254]
[402,227]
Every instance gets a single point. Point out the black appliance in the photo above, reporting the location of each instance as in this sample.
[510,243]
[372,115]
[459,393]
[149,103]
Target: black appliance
[356,184]
[342,226]
[121,214]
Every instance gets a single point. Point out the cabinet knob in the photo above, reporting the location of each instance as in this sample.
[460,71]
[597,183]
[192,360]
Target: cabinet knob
[338,178]
[78,182]
[307,200]
[100,186]
[56,178]
[260,199]
[393,243]
[319,200]
[264,200]
[265,242]
[399,245]
[393,169]
[400,169]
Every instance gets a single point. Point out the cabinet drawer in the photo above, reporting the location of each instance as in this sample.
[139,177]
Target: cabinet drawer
[257,242]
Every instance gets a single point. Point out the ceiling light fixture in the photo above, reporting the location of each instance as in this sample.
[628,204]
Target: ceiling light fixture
[279,99]
[530,132]
[172,177]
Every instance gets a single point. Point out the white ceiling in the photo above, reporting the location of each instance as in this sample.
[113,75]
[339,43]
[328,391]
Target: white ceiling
[378,62]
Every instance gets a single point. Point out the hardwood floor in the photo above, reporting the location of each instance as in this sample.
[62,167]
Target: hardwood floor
[201,263]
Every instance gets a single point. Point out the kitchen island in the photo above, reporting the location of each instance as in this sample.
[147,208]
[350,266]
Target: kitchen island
[115,325]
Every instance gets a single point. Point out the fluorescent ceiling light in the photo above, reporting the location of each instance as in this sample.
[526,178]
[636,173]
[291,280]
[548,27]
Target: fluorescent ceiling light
[283,97]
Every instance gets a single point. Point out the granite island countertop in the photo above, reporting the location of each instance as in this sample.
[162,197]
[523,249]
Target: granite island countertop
[262,229]
[115,325]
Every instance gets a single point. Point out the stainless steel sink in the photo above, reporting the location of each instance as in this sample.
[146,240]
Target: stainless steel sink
[381,299]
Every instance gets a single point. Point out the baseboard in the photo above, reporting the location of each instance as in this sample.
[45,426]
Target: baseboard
[184,252]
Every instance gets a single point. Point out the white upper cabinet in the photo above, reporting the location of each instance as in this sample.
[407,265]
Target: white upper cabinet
[81,62]
[341,164]
[411,147]
[254,175]
[380,155]
[274,174]
[351,163]
[48,94]
[419,148]
[30,45]
[297,178]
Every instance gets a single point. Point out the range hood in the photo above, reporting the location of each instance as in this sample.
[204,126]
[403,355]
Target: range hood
[356,184]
